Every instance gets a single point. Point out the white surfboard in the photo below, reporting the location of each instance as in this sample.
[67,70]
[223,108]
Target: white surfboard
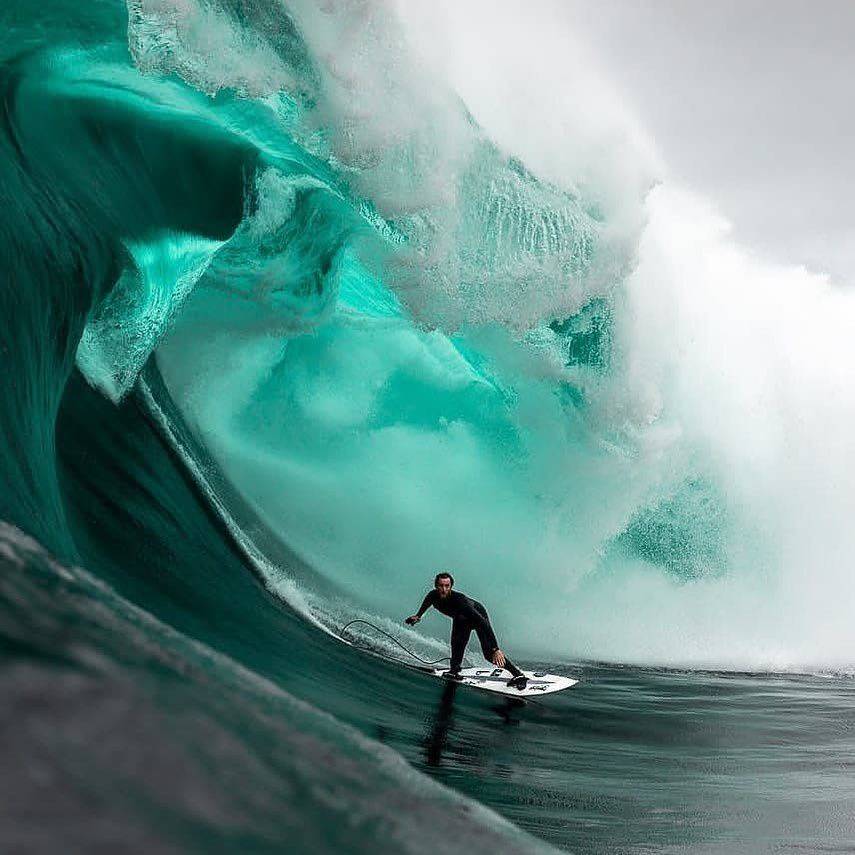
[496,680]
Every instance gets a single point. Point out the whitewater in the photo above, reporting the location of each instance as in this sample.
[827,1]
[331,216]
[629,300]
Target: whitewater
[607,404]
[304,302]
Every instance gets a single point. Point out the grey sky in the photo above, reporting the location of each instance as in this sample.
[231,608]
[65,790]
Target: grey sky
[750,103]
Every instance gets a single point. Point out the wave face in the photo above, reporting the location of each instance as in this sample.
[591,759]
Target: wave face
[291,318]
[436,339]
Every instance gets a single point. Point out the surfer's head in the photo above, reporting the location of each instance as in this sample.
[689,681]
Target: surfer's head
[443,582]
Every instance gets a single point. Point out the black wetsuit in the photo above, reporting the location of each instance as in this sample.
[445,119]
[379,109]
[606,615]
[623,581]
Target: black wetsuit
[466,614]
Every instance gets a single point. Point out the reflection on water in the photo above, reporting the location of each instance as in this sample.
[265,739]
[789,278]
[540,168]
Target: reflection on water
[436,739]
[437,735]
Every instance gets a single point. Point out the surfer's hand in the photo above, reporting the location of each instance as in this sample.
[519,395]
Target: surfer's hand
[412,620]
[499,658]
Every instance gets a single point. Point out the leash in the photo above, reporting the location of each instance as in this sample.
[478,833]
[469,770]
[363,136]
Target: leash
[392,639]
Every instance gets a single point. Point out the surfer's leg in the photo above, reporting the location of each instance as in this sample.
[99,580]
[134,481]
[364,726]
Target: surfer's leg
[460,632]
[489,645]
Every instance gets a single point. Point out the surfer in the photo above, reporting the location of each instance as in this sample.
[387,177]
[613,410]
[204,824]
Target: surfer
[466,615]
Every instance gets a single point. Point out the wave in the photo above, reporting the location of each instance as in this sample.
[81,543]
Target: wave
[405,337]
[293,313]
[505,374]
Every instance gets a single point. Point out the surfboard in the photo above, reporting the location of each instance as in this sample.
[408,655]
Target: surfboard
[496,680]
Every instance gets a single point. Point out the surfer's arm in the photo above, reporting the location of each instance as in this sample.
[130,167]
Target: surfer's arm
[427,602]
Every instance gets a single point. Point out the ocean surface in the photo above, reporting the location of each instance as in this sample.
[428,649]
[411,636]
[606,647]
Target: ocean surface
[289,321]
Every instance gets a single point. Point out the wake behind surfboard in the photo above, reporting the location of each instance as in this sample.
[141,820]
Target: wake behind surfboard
[496,680]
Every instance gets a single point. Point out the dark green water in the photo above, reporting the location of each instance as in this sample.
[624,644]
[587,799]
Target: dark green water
[266,364]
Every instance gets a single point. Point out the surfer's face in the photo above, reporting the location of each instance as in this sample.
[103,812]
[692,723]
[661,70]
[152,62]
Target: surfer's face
[443,586]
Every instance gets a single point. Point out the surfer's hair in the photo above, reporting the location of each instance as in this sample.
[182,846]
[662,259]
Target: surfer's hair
[443,576]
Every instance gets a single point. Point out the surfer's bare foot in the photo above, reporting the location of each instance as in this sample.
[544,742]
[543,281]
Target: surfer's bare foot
[519,682]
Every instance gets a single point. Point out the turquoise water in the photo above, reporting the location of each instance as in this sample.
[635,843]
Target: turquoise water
[284,330]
